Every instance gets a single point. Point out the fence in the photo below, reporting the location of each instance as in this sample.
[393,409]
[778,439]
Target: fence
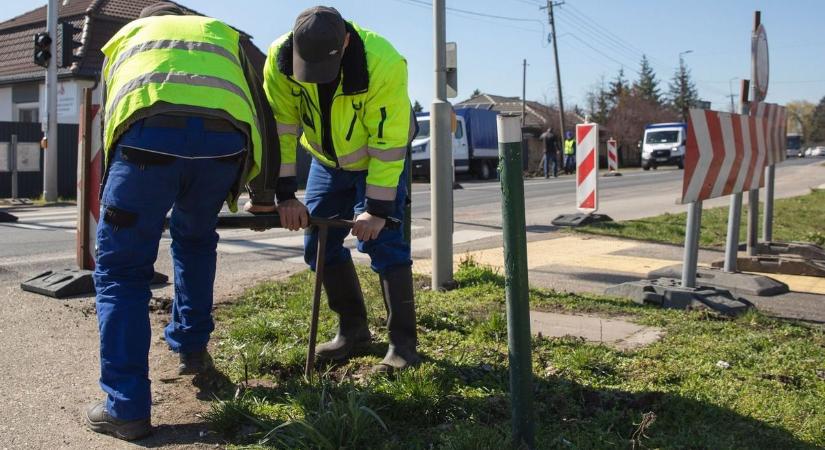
[30,184]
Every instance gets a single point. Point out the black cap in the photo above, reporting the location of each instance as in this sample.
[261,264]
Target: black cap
[162,9]
[318,45]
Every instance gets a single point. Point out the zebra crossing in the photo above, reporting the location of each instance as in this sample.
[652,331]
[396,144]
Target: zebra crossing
[63,219]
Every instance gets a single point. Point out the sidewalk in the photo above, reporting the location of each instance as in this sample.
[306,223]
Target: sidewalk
[581,263]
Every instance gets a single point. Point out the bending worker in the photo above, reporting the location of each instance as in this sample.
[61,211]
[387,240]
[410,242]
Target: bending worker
[181,132]
[346,88]
[569,153]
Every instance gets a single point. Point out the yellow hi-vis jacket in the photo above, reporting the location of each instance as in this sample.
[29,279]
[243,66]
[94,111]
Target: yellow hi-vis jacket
[187,64]
[371,118]
[569,146]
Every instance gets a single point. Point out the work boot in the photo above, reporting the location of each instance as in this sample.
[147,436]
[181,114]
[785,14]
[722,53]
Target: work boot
[194,363]
[100,421]
[345,298]
[397,286]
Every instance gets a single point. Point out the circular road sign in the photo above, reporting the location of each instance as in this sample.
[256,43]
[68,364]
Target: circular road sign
[761,66]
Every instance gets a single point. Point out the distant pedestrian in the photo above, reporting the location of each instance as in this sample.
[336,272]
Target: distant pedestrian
[569,153]
[551,153]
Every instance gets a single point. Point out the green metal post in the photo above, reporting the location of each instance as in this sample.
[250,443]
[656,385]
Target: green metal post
[515,272]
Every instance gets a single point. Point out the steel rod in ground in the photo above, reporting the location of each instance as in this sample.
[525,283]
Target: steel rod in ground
[515,266]
[13,166]
[691,259]
[767,224]
[316,299]
[753,222]
[732,242]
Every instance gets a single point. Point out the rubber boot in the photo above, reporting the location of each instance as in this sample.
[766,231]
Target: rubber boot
[345,298]
[397,285]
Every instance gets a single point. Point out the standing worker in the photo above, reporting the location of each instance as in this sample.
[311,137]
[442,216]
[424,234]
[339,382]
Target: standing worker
[346,88]
[181,131]
[551,153]
[569,153]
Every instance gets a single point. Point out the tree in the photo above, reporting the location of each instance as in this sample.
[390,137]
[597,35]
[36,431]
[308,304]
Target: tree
[617,88]
[818,123]
[647,86]
[801,118]
[683,94]
[476,93]
[417,107]
[627,122]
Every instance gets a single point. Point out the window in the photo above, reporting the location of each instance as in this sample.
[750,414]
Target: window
[27,112]
[459,130]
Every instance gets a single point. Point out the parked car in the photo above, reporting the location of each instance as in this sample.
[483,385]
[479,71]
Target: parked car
[818,151]
[807,152]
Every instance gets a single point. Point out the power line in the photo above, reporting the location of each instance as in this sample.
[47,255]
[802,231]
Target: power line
[474,13]
[486,18]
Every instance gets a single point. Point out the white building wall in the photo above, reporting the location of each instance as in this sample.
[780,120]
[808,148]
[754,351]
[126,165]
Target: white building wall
[69,99]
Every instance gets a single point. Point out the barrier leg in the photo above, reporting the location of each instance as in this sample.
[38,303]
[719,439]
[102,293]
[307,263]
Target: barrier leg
[691,259]
[732,243]
[767,227]
[753,221]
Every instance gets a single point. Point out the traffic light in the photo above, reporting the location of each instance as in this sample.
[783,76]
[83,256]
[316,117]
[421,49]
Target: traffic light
[66,32]
[42,50]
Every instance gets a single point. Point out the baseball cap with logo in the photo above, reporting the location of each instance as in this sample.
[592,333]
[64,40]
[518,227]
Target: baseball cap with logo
[318,45]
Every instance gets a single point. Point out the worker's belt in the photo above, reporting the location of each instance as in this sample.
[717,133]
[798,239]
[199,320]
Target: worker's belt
[173,121]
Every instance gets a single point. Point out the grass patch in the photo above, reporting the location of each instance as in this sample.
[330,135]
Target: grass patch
[671,394]
[795,219]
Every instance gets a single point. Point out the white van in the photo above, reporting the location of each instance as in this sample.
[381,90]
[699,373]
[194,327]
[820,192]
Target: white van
[664,145]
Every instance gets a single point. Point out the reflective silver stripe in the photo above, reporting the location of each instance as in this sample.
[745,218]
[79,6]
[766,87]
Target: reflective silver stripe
[175,45]
[179,78]
[287,129]
[287,170]
[388,155]
[381,193]
[353,157]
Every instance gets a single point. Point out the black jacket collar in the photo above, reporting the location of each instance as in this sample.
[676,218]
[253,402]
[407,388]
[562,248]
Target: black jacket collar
[354,63]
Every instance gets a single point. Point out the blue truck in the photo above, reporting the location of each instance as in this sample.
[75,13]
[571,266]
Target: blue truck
[475,143]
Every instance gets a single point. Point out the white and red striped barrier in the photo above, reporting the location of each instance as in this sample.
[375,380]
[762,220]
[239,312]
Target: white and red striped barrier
[587,167]
[88,182]
[612,156]
[774,130]
[727,153]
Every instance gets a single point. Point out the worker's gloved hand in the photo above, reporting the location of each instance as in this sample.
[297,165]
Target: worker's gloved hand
[294,215]
[367,227]
[259,209]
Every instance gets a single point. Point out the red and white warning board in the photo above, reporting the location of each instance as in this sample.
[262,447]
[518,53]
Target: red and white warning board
[727,153]
[775,130]
[612,156]
[587,167]
[88,187]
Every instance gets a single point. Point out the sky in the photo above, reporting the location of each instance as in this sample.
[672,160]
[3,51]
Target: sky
[596,39]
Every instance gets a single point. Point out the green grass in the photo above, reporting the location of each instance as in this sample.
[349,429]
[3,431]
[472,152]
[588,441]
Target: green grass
[670,394]
[795,219]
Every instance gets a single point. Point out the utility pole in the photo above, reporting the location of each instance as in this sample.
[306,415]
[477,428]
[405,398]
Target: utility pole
[441,160]
[50,127]
[551,17]
[523,92]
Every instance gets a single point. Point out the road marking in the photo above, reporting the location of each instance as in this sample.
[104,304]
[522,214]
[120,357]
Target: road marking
[24,226]
[459,237]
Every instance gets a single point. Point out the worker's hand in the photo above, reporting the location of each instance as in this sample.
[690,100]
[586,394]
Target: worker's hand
[367,227]
[258,209]
[294,215]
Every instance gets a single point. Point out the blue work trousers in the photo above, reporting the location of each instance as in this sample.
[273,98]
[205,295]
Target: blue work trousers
[134,204]
[341,194]
[570,163]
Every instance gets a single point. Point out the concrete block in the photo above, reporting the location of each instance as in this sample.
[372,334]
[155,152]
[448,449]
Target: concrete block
[738,283]
[804,250]
[579,219]
[785,264]
[668,293]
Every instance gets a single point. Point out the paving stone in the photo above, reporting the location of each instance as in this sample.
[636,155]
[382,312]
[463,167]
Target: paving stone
[614,332]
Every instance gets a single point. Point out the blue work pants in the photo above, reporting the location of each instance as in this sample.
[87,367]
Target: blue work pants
[341,194]
[135,200]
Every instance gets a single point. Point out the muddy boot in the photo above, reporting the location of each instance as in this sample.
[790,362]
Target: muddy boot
[397,286]
[345,298]
[100,421]
[195,363]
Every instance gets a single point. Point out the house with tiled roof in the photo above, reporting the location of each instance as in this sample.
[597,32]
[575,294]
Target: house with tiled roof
[22,91]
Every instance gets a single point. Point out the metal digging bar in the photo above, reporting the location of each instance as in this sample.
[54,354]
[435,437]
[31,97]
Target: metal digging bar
[266,221]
